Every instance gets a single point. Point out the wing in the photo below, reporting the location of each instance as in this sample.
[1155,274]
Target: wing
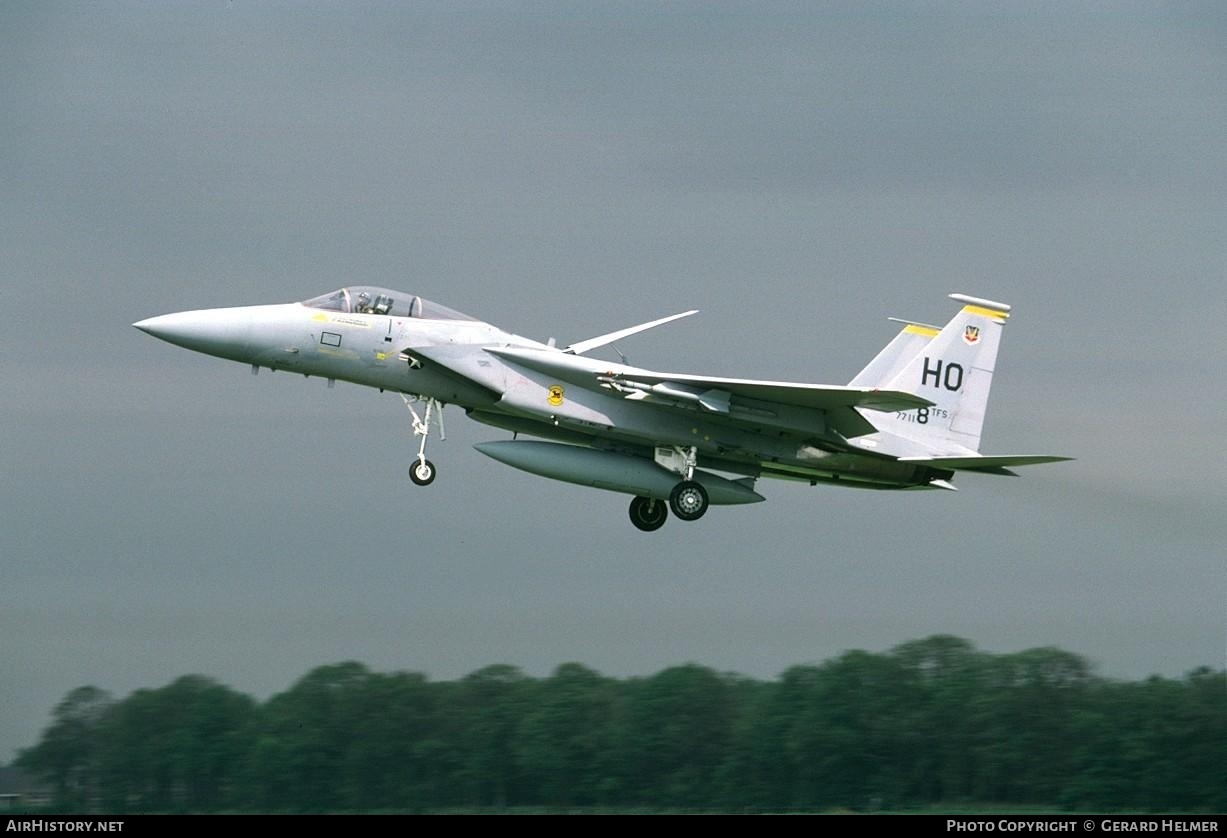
[818,396]
[713,393]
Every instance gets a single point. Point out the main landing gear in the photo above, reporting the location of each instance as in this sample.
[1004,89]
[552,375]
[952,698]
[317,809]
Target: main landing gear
[648,514]
[422,471]
[688,499]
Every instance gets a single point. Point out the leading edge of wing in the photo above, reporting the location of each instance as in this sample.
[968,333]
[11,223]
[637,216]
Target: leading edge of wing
[818,396]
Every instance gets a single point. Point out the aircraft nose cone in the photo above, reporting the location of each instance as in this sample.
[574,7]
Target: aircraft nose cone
[150,325]
[222,332]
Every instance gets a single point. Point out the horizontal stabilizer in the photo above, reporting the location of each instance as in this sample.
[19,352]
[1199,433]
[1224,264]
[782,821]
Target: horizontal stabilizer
[992,464]
[580,347]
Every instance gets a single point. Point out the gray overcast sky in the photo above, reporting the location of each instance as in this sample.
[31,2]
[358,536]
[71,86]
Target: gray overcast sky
[798,171]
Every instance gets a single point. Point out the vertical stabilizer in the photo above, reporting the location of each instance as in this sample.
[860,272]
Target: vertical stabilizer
[896,354]
[955,371]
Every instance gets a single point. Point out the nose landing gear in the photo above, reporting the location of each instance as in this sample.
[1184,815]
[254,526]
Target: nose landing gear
[422,471]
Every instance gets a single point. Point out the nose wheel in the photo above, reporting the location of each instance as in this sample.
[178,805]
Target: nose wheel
[422,471]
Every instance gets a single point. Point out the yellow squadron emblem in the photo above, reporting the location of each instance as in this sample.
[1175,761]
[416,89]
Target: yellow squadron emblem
[555,394]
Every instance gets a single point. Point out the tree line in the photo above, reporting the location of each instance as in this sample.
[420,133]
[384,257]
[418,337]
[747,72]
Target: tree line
[932,722]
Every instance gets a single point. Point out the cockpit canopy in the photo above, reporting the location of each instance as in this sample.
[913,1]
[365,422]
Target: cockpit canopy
[368,299]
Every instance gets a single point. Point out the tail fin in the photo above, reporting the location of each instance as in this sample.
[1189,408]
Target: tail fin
[895,355]
[955,371]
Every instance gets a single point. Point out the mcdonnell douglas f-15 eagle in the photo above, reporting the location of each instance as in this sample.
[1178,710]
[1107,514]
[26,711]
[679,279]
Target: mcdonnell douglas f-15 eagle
[909,420]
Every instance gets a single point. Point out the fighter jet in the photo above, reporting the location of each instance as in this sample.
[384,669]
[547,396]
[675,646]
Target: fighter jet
[674,441]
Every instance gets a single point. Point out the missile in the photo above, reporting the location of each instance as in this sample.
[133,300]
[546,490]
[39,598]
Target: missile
[609,470]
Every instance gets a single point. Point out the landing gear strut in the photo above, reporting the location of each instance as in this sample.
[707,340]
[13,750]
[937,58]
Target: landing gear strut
[422,471]
[648,514]
[688,500]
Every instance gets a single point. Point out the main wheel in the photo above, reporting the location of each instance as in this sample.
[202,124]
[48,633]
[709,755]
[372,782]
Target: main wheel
[688,500]
[422,472]
[648,514]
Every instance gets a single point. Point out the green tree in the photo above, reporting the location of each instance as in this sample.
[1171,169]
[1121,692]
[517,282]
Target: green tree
[388,761]
[300,759]
[941,692]
[494,701]
[932,721]
[67,754]
[179,748]
[566,745]
[1032,722]
[680,729]
[841,742]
